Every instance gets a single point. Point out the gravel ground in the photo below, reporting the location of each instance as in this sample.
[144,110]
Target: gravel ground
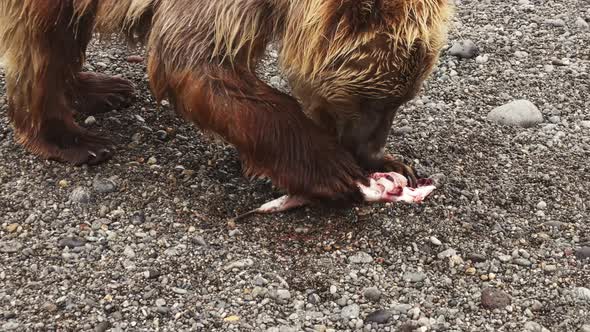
[144,242]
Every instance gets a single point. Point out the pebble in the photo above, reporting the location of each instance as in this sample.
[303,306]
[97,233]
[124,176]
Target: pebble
[10,326]
[541,205]
[585,328]
[522,262]
[80,195]
[481,59]
[11,228]
[71,242]
[372,294]
[492,298]
[534,327]
[128,251]
[558,23]
[446,254]
[435,241]
[583,253]
[350,312]
[160,302]
[104,186]
[9,247]
[135,59]
[581,23]
[151,274]
[414,276]
[379,316]
[582,293]
[360,258]
[283,294]
[550,268]
[465,49]
[102,326]
[520,113]
[240,264]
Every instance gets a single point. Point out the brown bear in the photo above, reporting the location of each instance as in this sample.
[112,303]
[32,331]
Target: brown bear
[351,63]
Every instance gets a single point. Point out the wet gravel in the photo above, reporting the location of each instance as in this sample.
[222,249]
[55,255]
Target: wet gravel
[145,242]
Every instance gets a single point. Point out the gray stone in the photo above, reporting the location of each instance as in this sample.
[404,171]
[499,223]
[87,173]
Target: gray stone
[361,258]
[9,247]
[414,276]
[372,294]
[283,294]
[521,113]
[71,242]
[10,326]
[558,23]
[80,195]
[581,23]
[379,316]
[492,298]
[585,328]
[583,253]
[102,326]
[464,49]
[534,327]
[350,312]
[446,254]
[104,186]
[582,293]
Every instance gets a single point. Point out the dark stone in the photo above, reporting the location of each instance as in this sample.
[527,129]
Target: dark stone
[492,298]
[71,242]
[379,316]
[583,253]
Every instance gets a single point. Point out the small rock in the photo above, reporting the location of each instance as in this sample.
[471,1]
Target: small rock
[481,59]
[521,113]
[9,247]
[558,23]
[102,326]
[71,242]
[350,312]
[550,268]
[11,228]
[313,298]
[446,254]
[283,294]
[90,121]
[151,274]
[541,205]
[583,253]
[581,23]
[414,276]
[464,49]
[231,319]
[582,293]
[361,258]
[585,124]
[10,326]
[521,54]
[240,264]
[372,294]
[80,195]
[492,298]
[435,241]
[104,186]
[534,327]
[585,328]
[50,307]
[160,302]
[134,59]
[379,316]
[522,262]
[128,251]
